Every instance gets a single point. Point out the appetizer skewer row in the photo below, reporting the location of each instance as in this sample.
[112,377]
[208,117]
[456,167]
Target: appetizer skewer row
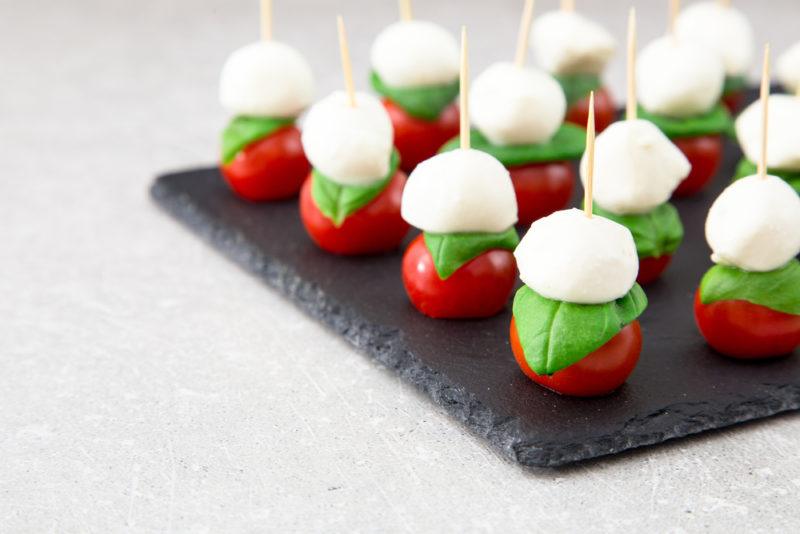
[518,114]
[576,50]
[350,203]
[415,70]
[574,328]
[748,304]
[461,266]
[266,85]
[720,27]
[637,169]
[679,84]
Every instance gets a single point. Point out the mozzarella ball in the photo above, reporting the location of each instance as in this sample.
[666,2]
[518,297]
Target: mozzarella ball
[787,68]
[463,190]
[723,29]
[783,143]
[511,105]
[566,42]
[571,257]
[415,53]
[754,224]
[349,145]
[677,78]
[266,79]
[636,167]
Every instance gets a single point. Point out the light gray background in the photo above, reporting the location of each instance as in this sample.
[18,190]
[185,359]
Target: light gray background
[147,384]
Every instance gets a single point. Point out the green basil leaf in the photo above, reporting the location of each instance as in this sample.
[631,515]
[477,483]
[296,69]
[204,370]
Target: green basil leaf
[567,143]
[556,334]
[243,130]
[424,103]
[734,84]
[451,251]
[778,290]
[748,168]
[578,86]
[717,121]
[337,201]
[656,233]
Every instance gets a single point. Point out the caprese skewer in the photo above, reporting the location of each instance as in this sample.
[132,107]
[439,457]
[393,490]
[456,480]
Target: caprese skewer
[265,85]
[637,169]
[574,328]
[518,117]
[576,50]
[748,304]
[415,70]
[461,265]
[679,84]
[350,203]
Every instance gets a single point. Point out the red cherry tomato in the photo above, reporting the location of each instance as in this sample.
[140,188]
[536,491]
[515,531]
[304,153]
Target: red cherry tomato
[373,229]
[418,139]
[599,373]
[605,110]
[271,168]
[733,101]
[704,153]
[744,330]
[479,288]
[651,268]
[541,189]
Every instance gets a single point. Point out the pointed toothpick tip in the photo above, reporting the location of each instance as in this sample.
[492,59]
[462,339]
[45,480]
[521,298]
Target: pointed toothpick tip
[764,96]
[524,34]
[588,191]
[347,66]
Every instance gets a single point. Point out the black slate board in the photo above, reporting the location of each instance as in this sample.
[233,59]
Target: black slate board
[679,388]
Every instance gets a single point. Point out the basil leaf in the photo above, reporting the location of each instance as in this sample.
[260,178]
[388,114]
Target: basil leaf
[778,290]
[734,84]
[556,334]
[748,168]
[578,86]
[424,103]
[567,143]
[656,233]
[337,201]
[451,251]
[243,130]
[717,121]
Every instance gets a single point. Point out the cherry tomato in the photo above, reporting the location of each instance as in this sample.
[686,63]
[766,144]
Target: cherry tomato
[605,110]
[479,288]
[542,188]
[418,139]
[271,168]
[373,229]
[599,373]
[744,330]
[651,268]
[733,101]
[704,153]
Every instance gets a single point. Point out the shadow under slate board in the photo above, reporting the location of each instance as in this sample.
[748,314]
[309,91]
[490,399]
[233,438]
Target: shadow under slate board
[680,386]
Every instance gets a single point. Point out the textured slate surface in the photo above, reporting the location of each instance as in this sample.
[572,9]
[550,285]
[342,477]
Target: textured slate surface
[679,388]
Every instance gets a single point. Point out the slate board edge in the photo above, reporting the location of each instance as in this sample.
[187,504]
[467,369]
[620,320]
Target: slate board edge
[386,345]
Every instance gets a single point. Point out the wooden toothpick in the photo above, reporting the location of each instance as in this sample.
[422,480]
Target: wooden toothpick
[674,9]
[630,108]
[587,193]
[725,3]
[762,163]
[406,13]
[463,84]
[266,20]
[524,34]
[567,5]
[347,67]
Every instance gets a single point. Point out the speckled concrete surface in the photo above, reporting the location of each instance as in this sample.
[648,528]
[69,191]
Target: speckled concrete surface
[146,384]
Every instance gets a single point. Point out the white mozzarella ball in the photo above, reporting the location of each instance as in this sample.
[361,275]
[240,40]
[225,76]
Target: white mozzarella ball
[566,42]
[783,143]
[787,68]
[754,224]
[636,167]
[511,105]
[266,79]
[677,78]
[574,258]
[463,190]
[350,145]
